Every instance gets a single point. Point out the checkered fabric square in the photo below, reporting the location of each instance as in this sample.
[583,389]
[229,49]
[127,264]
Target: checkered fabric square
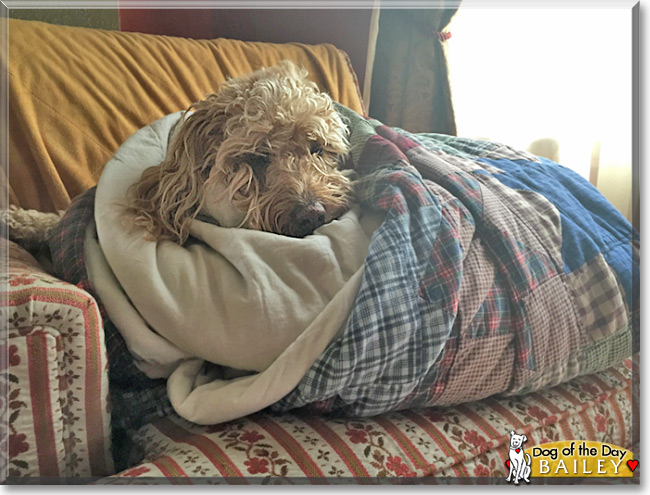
[599,298]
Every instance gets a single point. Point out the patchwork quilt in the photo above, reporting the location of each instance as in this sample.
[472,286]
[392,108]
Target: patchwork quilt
[492,271]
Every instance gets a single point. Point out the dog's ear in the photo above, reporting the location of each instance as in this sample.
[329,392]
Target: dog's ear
[512,432]
[168,196]
[524,439]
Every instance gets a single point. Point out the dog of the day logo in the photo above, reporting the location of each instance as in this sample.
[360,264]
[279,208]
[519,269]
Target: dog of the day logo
[567,459]
[518,461]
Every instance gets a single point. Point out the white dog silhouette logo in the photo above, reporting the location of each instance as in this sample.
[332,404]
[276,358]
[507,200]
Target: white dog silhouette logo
[519,461]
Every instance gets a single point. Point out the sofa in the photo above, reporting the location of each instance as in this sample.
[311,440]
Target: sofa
[75,95]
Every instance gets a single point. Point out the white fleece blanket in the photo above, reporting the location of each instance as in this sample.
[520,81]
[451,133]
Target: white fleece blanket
[238,298]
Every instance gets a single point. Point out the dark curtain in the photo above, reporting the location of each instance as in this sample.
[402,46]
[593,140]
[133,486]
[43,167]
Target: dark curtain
[410,83]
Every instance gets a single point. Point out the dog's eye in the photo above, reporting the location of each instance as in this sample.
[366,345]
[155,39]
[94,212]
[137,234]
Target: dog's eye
[316,148]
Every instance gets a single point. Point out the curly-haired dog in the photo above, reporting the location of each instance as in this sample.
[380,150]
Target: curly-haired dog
[261,153]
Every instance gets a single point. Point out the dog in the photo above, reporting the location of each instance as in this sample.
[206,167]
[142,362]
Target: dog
[263,153]
[519,459]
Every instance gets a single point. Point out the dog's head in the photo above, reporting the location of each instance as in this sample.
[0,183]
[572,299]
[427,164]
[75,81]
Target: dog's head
[516,441]
[262,153]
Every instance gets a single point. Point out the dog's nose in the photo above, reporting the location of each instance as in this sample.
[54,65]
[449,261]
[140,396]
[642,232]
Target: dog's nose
[306,219]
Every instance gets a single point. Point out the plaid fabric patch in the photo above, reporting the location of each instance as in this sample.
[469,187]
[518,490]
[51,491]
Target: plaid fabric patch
[495,315]
[66,242]
[466,148]
[599,298]
[482,367]
[525,269]
[613,348]
[380,346]
[135,398]
[550,312]
[589,359]
[531,209]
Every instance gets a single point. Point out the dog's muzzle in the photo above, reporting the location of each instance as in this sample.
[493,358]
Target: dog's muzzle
[306,218]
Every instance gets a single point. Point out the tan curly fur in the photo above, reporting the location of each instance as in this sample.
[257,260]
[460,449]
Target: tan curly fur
[28,228]
[267,144]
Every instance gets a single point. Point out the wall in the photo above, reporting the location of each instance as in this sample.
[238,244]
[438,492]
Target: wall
[93,18]
[573,89]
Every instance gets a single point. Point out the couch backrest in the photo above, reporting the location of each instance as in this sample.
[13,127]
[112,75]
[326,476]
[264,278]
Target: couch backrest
[76,94]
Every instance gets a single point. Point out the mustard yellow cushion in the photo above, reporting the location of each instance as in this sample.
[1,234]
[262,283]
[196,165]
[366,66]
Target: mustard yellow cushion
[76,94]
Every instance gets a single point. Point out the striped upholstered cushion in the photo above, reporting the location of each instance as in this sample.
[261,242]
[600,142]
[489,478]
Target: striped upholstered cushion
[463,441]
[59,423]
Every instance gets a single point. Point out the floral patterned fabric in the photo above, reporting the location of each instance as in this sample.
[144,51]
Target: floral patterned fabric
[58,418]
[469,440]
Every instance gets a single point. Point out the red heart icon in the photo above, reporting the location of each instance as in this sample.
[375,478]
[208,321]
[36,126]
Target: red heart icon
[508,463]
[517,450]
[632,464]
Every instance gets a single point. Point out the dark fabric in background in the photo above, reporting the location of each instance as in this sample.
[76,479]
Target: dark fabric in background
[410,80]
